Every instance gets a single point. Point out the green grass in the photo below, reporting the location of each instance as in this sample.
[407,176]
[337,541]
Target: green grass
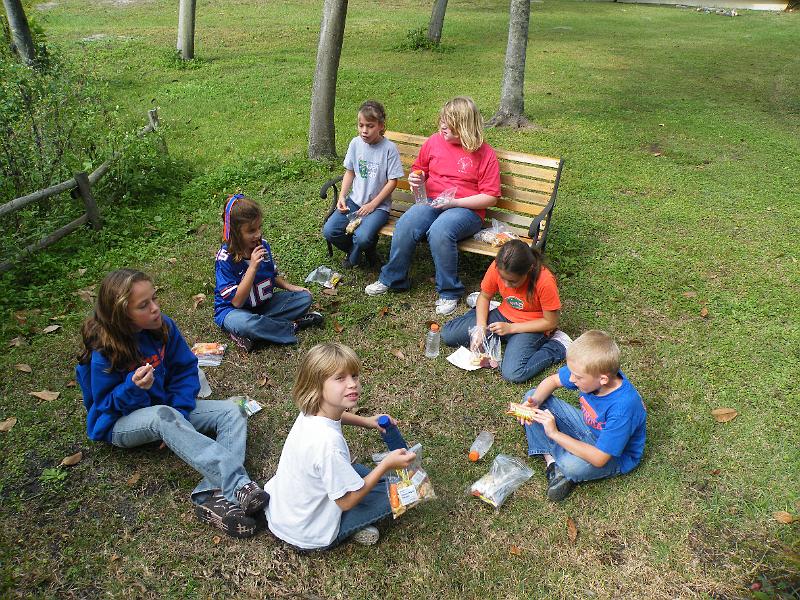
[640,244]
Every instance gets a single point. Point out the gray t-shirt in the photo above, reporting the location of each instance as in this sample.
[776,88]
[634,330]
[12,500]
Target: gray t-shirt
[373,165]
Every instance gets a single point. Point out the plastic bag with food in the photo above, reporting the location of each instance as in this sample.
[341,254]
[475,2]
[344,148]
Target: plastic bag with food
[408,487]
[496,235]
[485,347]
[507,474]
[444,199]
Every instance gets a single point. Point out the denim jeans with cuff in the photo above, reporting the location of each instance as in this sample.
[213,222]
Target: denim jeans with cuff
[363,238]
[271,321]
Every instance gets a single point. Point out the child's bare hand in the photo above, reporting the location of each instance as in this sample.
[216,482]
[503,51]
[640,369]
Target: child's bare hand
[374,421]
[398,459]
[547,421]
[257,255]
[365,210]
[501,328]
[341,205]
[415,178]
[478,338]
[143,377]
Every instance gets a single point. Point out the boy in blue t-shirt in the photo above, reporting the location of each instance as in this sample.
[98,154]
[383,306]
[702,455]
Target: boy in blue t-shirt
[605,437]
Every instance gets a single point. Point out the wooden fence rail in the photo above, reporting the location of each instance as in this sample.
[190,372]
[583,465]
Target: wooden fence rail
[82,184]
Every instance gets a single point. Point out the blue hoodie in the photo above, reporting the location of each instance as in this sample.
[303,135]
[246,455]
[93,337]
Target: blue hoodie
[109,394]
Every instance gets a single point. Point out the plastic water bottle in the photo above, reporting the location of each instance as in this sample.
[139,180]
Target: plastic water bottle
[481,445]
[420,194]
[432,341]
[392,437]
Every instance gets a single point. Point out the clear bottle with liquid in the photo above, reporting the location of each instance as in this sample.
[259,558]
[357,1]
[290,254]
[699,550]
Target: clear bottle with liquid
[420,193]
[481,445]
[432,341]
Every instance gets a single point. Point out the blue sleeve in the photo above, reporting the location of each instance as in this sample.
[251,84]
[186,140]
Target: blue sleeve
[394,168]
[226,280]
[113,392]
[563,377]
[615,434]
[182,383]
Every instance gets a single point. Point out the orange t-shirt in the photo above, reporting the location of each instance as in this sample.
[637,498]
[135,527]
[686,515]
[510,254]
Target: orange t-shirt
[516,307]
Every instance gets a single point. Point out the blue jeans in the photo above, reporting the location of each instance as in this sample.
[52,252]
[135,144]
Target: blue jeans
[364,237]
[525,354]
[569,420]
[220,461]
[271,321]
[373,507]
[444,229]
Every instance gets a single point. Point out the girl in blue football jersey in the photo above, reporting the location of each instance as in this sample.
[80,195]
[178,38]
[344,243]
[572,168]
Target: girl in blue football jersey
[245,302]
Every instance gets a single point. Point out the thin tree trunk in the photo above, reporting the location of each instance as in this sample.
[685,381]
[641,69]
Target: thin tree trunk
[186,18]
[20,31]
[180,28]
[437,21]
[512,96]
[322,134]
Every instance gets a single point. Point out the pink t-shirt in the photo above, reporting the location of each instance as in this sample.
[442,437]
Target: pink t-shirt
[448,165]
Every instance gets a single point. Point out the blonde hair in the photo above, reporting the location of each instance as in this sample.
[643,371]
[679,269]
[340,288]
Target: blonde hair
[596,352]
[464,120]
[321,362]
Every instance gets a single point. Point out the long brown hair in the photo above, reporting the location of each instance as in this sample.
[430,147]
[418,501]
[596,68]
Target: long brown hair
[518,258]
[109,329]
[322,361]
[239,210]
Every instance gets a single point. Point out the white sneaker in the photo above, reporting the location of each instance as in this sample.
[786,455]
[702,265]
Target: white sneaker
[472,301]
[376,289]
[562,338]
[445,306]
[367,536]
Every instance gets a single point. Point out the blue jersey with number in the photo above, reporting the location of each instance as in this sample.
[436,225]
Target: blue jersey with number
[230,273]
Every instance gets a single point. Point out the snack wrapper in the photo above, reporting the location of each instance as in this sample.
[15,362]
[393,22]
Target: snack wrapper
[209,354]
[355,221]
[507,474]
[496,235]
[520,411]
[443,199]
[408,487]
[247,404]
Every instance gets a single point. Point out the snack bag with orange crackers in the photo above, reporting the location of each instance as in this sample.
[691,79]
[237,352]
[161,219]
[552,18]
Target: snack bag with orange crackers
[408,487]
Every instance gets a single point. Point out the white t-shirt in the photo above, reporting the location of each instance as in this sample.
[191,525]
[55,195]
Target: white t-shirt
[314,471]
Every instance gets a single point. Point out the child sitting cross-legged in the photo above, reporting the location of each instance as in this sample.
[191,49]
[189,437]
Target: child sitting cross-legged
[318,499]
[605,437]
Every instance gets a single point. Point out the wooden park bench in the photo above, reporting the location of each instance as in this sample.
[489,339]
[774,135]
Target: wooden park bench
[529,184]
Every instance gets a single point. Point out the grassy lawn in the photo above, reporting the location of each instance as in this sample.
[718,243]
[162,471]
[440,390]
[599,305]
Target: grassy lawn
[681,138]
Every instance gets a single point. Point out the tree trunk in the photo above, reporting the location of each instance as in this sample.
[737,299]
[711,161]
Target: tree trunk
[186,16]
[180,28]
[512,97]
[20,31]
[437,21]
[322,134]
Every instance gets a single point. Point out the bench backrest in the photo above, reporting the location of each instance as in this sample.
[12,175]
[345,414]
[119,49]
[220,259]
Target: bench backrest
[528,182]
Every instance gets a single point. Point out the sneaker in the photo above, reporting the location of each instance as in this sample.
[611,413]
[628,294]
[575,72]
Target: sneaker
[309,319]
[562,338]
[227,516]
[558,486]
[367,536]
[376,289]
[245,343]
[346,265]
[472,301]
[445,306]
[252,498]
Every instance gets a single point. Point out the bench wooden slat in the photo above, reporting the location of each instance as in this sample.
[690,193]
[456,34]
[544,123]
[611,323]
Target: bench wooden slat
[518,169]
[396,136]
[526,184]
[536,198]
[528,159]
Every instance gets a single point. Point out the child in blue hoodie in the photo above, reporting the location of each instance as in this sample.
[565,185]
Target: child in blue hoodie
[140,383]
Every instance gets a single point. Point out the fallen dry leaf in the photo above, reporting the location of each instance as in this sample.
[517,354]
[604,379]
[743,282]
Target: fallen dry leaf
[723,415]
[72,460]
[716,472]
[337,327]
[382,312]
[216,539]
[51,328]
[515,550]
[264,381]
[8,424]
[71,383]
[21,317]
[134,479]
[45,395]
[572,530]
[704,312]
[24,368]
[198,299]
[172,260]
[86,294]
[783,517]
[690,294]
[329,292]
[113,557]
[81,271]
[17,342]
[399,354]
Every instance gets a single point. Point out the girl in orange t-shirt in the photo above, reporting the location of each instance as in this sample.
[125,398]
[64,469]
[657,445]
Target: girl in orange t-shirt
[527,318]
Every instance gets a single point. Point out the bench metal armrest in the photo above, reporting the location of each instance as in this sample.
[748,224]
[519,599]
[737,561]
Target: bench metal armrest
[538,234]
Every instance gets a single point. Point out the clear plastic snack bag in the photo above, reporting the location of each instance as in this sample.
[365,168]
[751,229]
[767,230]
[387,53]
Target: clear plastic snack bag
[506,475]
[408,487]
[324,276]
[496,235]
[445,198]
[354,221]
[209,354]
[485,347]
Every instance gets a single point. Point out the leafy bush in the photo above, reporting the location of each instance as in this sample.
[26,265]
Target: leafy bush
[417,39]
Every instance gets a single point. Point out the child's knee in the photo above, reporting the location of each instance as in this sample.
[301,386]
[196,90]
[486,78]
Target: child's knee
[514,374]
[574,468]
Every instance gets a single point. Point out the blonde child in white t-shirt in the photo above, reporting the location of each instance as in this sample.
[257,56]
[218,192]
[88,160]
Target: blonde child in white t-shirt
[318,499]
